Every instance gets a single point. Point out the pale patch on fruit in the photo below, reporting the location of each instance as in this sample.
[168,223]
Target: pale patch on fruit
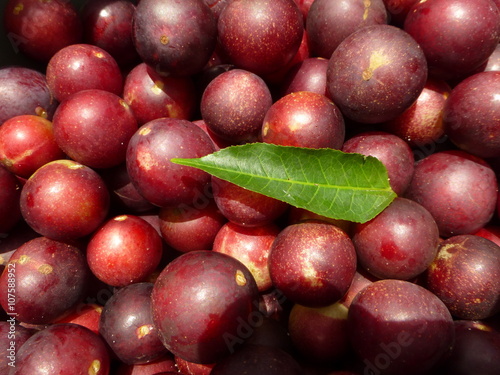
[144,131]
[18,9]
[45,269]
[172,112]
[240,278]
[98,54]
[95,367]
[69,163]
[445,253]
[164,39]
[23,259]
[481,326]
[157,87]
[121,218]
[311,275]
[144,330]
[124,104]
[367,4]
[145,160]
[377,59]
[40,111]
[334,311]
[265,129]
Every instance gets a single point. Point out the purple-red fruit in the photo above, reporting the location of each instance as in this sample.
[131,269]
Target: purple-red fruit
[204,304]
[82,67]
[376,73]
[174,37]
[10,193]
[127,325]
[261,36]
[234,104]
[465,275]
[43,280]
[399,243]
[471,115]
[304,119]
[157,179]
[64,200]
[458,189]
[397,327]
[312,263]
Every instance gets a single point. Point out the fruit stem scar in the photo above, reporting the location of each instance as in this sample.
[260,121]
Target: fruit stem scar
[240,278]
[95,366]
[164,39]
[367,4]
[377,59]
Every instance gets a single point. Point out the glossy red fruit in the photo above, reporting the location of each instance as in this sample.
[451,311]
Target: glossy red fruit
[456,36]
[124,250]
[157,179]
[471,115]
[399,243]
[464,275]
[328,22]
[458,189]
[43,281]
[245,207]
[82,67]
[64,200]
[234,104]
[24,91]
[65,349]
[152,96]
[203,303]
[108,24]
[422,123]
[187,228]
[26,143]
[312,263]
[12,337]
[261,36]
[127,325]
[392,151]
[307,75]
[94,127]
[175,37]
[41,28]
[251,246]
[304,119]
[10,193]
[376,73]
[398,327]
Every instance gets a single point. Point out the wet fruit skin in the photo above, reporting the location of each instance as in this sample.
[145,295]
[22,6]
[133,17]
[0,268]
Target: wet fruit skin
[64,200]
[82,67]
[124,250]
[127,326]
[50,278]
[399,243]
[201,302]
[454,276]
[156,178]
[471,115]
[458,189]
[65,349]
[174,38]
[41,28]
[257,43]
[312,263]
[376,73]
[94,127]
[399,327]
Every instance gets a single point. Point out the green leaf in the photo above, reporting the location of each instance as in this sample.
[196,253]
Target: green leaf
[328,182]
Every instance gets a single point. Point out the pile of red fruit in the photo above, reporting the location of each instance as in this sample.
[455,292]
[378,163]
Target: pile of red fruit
[116,260]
